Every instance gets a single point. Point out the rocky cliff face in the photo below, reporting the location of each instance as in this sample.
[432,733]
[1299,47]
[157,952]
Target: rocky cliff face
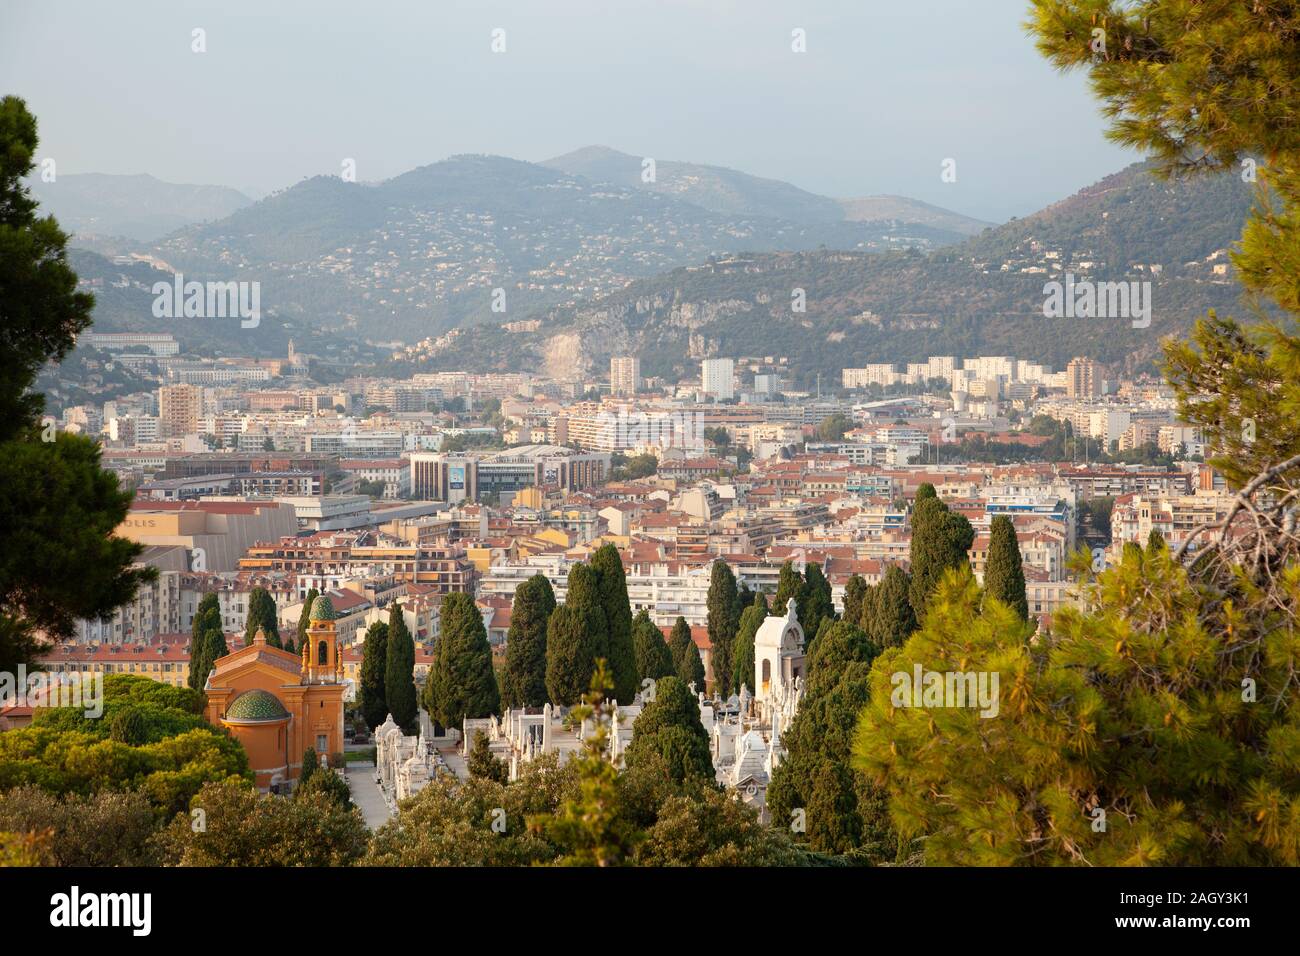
[586,350]
[635,327]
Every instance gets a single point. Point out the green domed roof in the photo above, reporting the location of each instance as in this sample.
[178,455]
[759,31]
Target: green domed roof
[322,609]
[254,705]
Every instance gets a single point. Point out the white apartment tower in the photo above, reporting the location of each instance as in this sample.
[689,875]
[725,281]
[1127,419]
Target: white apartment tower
[624,374]
[719,378]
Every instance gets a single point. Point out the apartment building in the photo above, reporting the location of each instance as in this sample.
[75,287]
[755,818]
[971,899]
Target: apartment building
[624,375]
[179,410]
[165,659]
[1111,482]
[1082,378]
[718,378]
[1135,516]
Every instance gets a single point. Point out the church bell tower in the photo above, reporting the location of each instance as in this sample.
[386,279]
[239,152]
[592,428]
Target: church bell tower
[321,661]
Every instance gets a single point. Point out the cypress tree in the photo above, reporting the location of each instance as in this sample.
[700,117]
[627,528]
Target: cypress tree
[304,619]
[839,644]
[855,590]
[723,619]
[940,540]
[679,641]
[669,727]
[742,668]
[816,604]
[309,767]
[1155,541]
[1004,578]
[207,617]
[374,661]
[813,775]
[834,823]
[211,645]
[584,597]
[686,656]
[200,666]
[744,598]
[215,646]
[867,611]
[653,659]
[524,682]
[621,655]
[462,677]
[890,620]
[571,654]
[262,616]
[788,585]
[399,672]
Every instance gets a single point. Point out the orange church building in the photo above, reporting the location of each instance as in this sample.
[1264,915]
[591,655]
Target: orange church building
[279,704]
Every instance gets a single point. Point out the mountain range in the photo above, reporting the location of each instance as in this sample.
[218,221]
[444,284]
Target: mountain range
[586,260]
[985,295]
[139,207]
[733,193]
[426,251]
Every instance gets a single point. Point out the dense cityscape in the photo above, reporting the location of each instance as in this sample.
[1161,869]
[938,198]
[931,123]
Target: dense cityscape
[387,496]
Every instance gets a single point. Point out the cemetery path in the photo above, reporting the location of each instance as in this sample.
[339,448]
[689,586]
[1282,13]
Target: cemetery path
[367,795]
[455,762]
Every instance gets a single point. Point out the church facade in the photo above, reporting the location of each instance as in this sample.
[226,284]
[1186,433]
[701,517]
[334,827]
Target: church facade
[279,704]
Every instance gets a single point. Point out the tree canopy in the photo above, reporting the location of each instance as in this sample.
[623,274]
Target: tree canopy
[669,726]
[620,655]
[399,671]
[524,682]
[653,659]
[686,656]
[461,681]
[743,665]
[262,616]
[374,663]
[723,618]
[1004,578]
[60,559]
[941,540]
[571,653]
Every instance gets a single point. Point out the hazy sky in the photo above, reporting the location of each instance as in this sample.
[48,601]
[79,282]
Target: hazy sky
[885,92]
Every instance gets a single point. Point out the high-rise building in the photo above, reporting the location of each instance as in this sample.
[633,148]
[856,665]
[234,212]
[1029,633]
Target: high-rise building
[179,410]
[1082,378]
[767,384]
[624,374]
[719,378]
[940,366]
[450,478]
